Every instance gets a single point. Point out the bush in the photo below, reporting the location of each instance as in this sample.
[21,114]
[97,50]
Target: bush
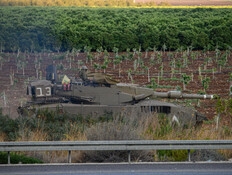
[17,158]
[8,126]
[172,155]
[120,128]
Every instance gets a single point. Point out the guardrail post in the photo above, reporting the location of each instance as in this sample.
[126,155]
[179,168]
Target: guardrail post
[189,156]
[69,157]
[8,157]
[129,156]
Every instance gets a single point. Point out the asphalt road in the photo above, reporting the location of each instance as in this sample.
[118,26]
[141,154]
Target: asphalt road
[207,168]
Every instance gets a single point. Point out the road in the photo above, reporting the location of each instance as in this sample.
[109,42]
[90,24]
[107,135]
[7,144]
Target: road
[207,168]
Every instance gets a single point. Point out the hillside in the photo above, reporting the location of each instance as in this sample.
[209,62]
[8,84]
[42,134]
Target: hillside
[165,68]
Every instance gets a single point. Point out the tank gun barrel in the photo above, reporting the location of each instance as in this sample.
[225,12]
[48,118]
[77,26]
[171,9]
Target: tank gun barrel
[179,94]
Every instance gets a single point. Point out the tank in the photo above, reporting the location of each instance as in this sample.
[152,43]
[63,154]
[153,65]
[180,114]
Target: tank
[96,94]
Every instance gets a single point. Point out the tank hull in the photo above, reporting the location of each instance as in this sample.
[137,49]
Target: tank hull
[182,116]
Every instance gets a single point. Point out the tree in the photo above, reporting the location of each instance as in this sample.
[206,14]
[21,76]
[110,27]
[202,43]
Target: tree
[12,78]
[153,84]
[164,47]
[205,83]
[185,80]
[130,75]
[105,64]
[117,60]
[87,50]
[2,60]
[161,69]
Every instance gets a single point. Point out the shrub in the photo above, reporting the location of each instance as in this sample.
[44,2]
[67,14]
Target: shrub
[120,128]
[172,155]
[17,158]
[8,126]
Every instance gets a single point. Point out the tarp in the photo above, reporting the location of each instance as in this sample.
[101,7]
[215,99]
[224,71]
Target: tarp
[102,78]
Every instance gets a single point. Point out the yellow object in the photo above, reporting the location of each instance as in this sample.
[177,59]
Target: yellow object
[65,80]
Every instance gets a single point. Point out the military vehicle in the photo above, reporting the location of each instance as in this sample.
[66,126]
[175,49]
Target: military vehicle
[96,94]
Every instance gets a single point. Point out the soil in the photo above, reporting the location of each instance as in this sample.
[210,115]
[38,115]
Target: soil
[15,94]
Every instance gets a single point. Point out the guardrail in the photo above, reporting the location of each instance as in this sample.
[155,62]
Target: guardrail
[125,145]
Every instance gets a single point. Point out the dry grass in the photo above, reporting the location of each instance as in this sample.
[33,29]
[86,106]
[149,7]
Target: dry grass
[73,134]
[207,131]
[2,137]
[147,127]
[28,135]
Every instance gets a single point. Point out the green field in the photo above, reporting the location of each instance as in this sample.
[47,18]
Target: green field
[64,28]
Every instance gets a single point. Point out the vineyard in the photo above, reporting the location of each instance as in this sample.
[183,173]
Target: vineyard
[189,71]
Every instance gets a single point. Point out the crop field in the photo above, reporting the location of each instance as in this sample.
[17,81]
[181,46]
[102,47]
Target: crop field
[161,70]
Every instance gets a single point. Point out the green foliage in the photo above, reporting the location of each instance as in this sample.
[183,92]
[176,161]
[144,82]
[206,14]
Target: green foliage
[205,83]
[172,155]
[178,88]
[185,79]
[164,126]
[56,124]
[153,84]
[230,76]
[27,28]
[17,158]
[8,126]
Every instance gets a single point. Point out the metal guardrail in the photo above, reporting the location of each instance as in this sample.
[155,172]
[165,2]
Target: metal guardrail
[125,145]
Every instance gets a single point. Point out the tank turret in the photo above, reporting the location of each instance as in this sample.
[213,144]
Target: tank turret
[93,94]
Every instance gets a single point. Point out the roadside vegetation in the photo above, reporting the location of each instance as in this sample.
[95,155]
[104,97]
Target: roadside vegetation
[17,158]
[53,126]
